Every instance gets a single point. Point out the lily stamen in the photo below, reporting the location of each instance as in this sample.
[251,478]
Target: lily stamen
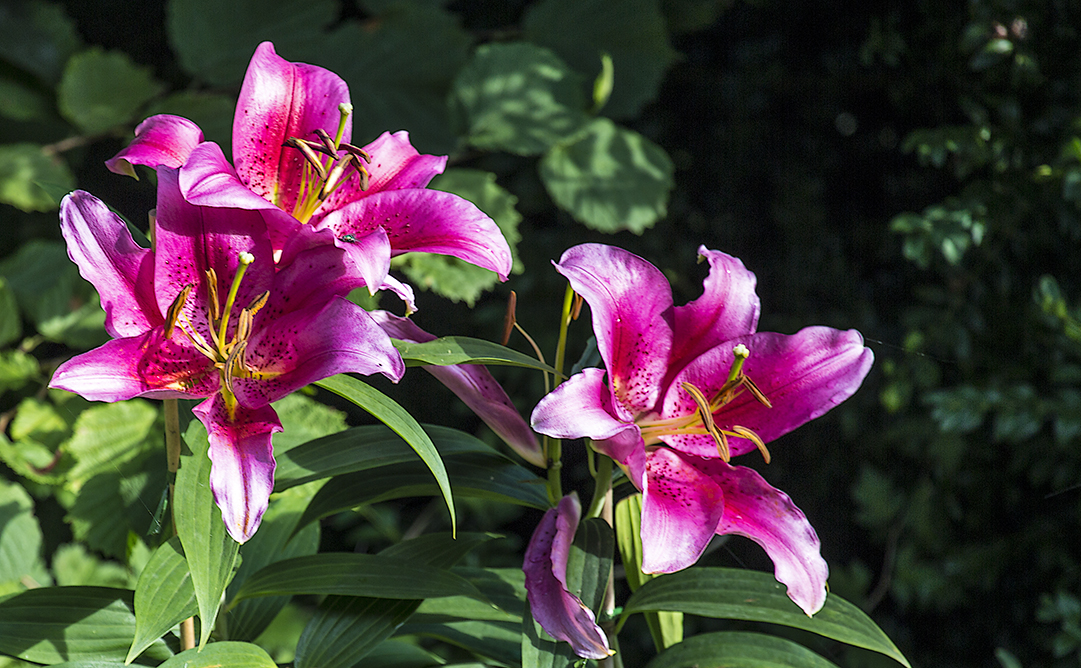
[174,310]
[705,414]
[245,260]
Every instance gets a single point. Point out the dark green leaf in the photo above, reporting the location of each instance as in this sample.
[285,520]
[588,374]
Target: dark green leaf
[738,650]
[213,113]
[10,326]
[665,626]
[20,103]
[101,90]
[210,551]
[505,587]
[37,37]
[164,596]
[23,170]
[495,640]
[450,350]
[16,369]
[390,413]
[609,178]
[216,655]
[742,594]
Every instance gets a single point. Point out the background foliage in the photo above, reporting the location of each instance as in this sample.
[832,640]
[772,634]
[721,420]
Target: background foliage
[909,169]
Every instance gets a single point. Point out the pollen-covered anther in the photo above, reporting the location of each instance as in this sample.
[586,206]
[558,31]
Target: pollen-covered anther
[173,313]
[753,438]
[212,295]
[308,150]
[705,413]
[327,141]
[334,178]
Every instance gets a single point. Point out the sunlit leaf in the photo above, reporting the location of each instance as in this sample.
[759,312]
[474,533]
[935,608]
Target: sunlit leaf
[738,650]
[103,89]
[23,170]
[20,539]
[164,596]
[232,654]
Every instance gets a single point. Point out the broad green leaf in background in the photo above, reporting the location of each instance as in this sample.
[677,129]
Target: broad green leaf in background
[465,350]
[216,655]
[731,593]
[390,413]
[496,640]
[21,564]
[448,276]
[666,627]
[55,624]
[733,649]
[107,435]
[11,327]
[23,168]
[21,103]
[16,369]
[210,551]
[215,40]
[213,113]
[103,89]
[304,419]
[401,654]
[682,16]
[519,98]
[38,37]
[609,178]
[164,596]
[632,32]
[73,565]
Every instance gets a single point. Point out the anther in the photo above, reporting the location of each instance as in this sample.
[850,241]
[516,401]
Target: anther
[174,310]
[333,180]
[753,438]
[309,154]
[212,294]
[328,143]
[706,413]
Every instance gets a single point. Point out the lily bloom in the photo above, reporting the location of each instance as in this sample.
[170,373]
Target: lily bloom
[207,314]
[291,148]
[556,609]
[689,387]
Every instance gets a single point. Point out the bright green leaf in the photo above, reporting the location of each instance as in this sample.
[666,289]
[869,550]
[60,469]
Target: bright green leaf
[164,596]
[609,178]
[20,539]
[108,435]
[103,89]
[23,170]
[738,650]
[216,655]
[465,350]
[74,565]
[665,626]
[16,369]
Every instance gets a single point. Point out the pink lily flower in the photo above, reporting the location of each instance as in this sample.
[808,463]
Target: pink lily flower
[207,314]
[291,135]
[556,609]
[689,387]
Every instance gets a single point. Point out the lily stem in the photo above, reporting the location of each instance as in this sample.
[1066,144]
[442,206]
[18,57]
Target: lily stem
[602,487]
[553,447]
[172,458]
[608,607]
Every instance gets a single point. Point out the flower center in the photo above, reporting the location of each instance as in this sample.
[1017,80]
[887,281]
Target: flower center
[701,420]
[328,163]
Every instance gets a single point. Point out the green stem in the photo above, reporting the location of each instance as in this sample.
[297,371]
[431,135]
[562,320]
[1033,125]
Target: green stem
[602,487]
[172,459]
[553,447]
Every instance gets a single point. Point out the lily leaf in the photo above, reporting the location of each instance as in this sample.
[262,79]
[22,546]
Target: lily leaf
[450,350]
[232,654]
[746,650]
[164,596]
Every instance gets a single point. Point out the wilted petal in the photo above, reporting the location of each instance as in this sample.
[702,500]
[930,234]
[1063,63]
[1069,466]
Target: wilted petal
[630,301]
[803,375]
[100,244]
[279,100]
[242,462]
[681,508]
[476,387]
[160,141]
[560,613]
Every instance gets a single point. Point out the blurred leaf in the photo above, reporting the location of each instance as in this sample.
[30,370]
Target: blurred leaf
[609,178]
[518,98]
[213,113]
[753,596]
[11,327]
[108,435]
[745,650]
[214,41]
[682,16]
[40,422]
[37,37]
[304,419]
[632,32]
[448,276]
[400,654]
[390,413]
[23,170]
[500,641]
[164,596]
[232,654]
[465,350]
[210,551]
[16,369]
[20,539]
[74,565]
[56,624]
[20,103]
[103,89]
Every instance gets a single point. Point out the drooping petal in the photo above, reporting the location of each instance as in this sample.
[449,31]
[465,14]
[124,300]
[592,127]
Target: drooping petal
[429,221]
[581,407]
[727,308]
[289,350]
[242,462]
[476,387]
[631,305]
[207,179]
[123,273]
[559,612]
[279,100]
[768,517]
[160,141]
[140,366]
[803,375]
[681,508]
[369,254]
[395,165]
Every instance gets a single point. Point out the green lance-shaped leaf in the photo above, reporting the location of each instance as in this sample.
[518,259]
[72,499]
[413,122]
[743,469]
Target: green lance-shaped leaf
[505,587]
[164,596]
[346,628]
[390,413]
[609,178]
[216,655]
[495,640]
[55,624]
[101,90]
[450,350]
[738,650]
[666,627]
[209,549]
[750,595]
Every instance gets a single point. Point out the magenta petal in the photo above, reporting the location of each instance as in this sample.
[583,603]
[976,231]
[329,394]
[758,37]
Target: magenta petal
[160,141]
[369,255]
[404,292]
[279,100]
[559,612]
[681,508]
[727,308]
[476,387]
[630,301]
[242,462]
[580,407]
[207,179]
[100,244]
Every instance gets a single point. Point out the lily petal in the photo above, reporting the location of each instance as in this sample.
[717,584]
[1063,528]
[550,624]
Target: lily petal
[581,407]
[370,256]
[160,141]
[279,100]
[803,375]
[476,387]
[681,508]
[122,272]
[242,462]
[559,612]
[631,305]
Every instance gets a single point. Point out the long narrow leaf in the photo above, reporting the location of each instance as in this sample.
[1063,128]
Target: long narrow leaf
[450,350]
[738,650]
